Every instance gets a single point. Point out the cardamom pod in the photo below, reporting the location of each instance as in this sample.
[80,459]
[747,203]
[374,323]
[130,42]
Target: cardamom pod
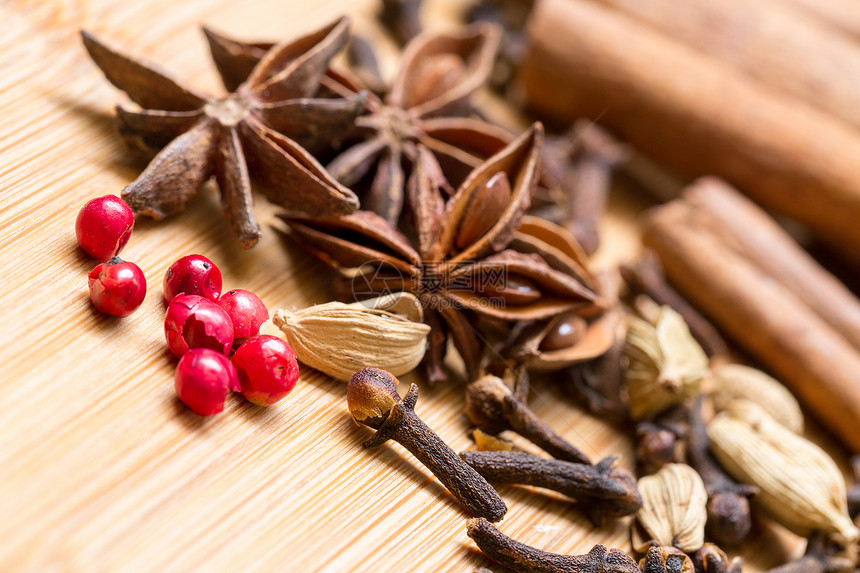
[673,509]
[734,381]
[665,363]
[801,487]
[338,339]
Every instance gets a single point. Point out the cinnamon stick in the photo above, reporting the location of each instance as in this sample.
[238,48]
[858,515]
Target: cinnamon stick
[770,41]
[764,316]
[695,114]
[749,231]
[838,13]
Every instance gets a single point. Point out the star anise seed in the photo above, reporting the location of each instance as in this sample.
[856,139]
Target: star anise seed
[425,106]
[260,124]
[455,281]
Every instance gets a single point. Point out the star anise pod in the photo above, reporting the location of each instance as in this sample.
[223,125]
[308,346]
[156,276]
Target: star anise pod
[259,125]
[426,105]
[471,256]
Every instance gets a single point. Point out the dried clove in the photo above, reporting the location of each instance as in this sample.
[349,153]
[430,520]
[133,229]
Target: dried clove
[665,559]
[646,276]
[581,162]
[364,64]
[526,559]
[658,444]
[373,400]
[729,518]
[822,555]
[402,18]
[597,384]
[511,16]
[604,490]
[492,406]
[711,559]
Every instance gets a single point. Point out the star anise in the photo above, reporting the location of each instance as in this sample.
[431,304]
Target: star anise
[471,257]
[264,120]
[426,105]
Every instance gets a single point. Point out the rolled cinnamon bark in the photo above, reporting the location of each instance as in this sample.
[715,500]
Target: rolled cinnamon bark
[695,114]
[770,41]
[763,316]
[839,13]
[744,228]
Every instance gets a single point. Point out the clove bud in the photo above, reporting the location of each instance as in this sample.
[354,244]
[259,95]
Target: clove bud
[729,518]
[526,559]
[604,490]
[373,400]
[491,405]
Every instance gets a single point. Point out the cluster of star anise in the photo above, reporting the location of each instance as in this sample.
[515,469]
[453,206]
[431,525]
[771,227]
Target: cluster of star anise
[444,195]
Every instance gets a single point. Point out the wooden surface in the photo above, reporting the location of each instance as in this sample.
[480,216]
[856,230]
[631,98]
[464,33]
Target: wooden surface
[101,468]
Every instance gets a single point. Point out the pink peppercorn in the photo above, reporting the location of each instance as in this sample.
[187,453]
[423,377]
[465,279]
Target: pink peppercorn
[104,226]
[246,310]
[203,379]
[267,369]
[192,274]
[194,321]
[117,287]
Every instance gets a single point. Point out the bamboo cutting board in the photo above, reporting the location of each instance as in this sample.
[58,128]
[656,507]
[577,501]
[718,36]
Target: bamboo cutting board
[101,468]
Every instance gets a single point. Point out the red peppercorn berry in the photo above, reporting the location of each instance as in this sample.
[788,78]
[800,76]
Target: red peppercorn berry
[192,274]
[246,310]
[203,379]
[194,321]
[117,287]
[267,369]
[104,226]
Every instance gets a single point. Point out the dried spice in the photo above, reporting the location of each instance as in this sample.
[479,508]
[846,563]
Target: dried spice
[423,110]
[338,338]
[580,164]
[666,559]
[729,518]
[711,559]
[521,557]
[734,381]
[491,405]
[665,364]
[673,508]
[800,485]
[658,444]
[563,340]
[822,555]
[471,255]
[261,125]
[373,400]
[402,18]
[597,384]
[645,276]
[603,491]
[511,16]
[363,63]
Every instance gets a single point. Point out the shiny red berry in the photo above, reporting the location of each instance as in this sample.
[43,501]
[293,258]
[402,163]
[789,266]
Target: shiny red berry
[246,310]
[267,369]
[104,226]
[117,287]
[193,274]
[203,379]
[194,321]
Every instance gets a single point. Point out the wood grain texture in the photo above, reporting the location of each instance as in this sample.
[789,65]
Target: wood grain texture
[101,468]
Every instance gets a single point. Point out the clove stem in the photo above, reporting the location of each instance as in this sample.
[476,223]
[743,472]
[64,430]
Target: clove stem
[612,488]
[729,518]
[526,559]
